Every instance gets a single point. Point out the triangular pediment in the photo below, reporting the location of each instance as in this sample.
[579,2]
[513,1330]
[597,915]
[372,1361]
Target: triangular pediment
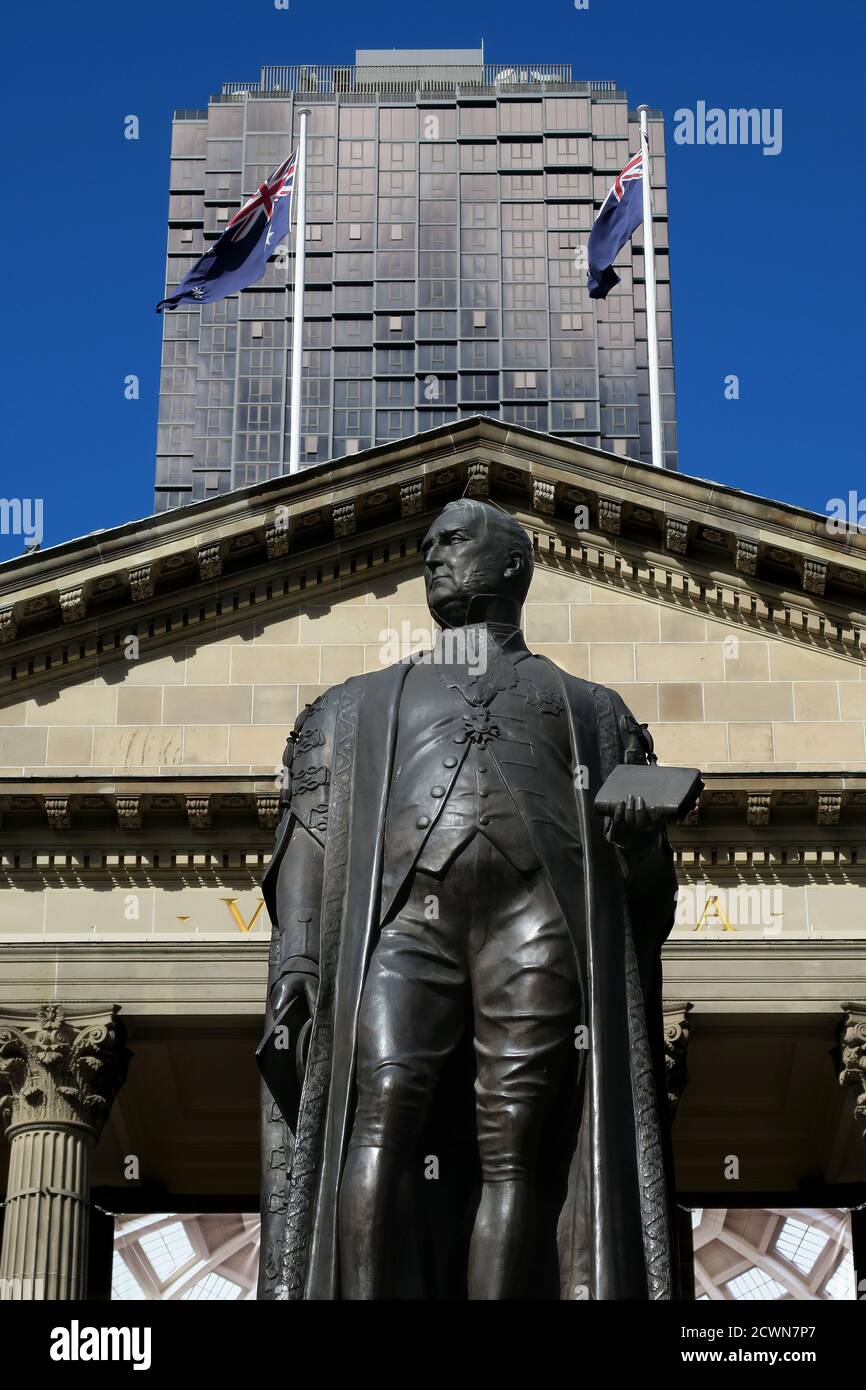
[675,539]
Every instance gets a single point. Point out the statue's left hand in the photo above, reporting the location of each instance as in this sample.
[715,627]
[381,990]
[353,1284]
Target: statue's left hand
[633,822]
[295,986]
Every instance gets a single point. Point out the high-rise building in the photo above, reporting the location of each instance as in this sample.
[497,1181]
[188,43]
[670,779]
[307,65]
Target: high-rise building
[449,202]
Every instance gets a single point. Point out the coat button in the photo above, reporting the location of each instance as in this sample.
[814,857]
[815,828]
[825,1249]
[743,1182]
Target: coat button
[485,792]
[422,822]
[460,738]
[449,762]
[483,820]
[437,790]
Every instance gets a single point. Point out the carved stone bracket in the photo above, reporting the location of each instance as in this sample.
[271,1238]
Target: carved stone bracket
[344,520]
[411,499]
[8,625]
[853,1070]
[142,582]
[814,576]
[610,515]
[210,560]
[277,535]
[829,810]
[62,1067]
[268,811]
[478,480]
[676,1034]
[58,813]
[758,808]
[198,812]
[73,604]
[746,556]
[676,535]
[543,496]
[129,814]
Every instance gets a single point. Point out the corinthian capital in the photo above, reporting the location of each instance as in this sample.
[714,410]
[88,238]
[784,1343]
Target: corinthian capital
[853,1071]
[676,1030]
[60,1066]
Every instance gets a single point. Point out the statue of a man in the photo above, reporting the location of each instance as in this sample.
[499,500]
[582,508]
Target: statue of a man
[465,971]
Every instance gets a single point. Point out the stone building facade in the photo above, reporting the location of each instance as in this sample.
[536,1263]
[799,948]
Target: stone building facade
[149,675]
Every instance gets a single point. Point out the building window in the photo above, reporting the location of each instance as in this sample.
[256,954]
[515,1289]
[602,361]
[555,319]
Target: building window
[520,116]
[352,446]
[257,328]
[354,231]
[314,232]
[311,444]
[395,323]
[222,215]
[479,318]
[396,231]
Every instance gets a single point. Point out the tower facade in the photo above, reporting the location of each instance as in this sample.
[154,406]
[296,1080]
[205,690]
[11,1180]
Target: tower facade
[449,203]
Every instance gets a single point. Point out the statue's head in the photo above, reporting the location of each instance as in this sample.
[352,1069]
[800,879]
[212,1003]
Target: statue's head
[477,564]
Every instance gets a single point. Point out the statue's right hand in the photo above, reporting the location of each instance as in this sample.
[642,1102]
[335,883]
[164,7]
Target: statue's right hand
[294,986]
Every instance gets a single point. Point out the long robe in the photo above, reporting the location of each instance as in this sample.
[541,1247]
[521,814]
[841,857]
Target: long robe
[615,1224]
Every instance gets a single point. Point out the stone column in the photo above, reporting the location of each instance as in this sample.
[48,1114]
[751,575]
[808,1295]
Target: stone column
[59,1072]
[677,1028]
[852,1038]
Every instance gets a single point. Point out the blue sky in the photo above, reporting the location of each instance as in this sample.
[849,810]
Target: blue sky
[766,281]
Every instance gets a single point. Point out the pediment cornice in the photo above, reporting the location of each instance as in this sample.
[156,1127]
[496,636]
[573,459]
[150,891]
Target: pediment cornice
[676,538]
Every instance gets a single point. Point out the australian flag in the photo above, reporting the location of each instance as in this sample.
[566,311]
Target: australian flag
[240,256]
[621,212]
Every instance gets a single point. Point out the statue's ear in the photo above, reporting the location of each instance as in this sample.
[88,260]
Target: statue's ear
[515,564]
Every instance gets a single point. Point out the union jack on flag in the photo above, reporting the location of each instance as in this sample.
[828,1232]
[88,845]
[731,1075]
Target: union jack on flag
[621,212]
[279,185]
[240,256]
[633,170]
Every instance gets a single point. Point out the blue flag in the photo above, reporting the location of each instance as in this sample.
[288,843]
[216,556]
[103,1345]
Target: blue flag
[621,212]
[240,256]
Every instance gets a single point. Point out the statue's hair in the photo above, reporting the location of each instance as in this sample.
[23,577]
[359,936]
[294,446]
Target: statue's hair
[517,538]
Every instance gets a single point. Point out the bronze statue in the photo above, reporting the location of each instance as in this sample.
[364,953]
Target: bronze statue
[465,972]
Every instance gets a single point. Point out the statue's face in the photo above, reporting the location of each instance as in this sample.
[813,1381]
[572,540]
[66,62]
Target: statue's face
[464,558]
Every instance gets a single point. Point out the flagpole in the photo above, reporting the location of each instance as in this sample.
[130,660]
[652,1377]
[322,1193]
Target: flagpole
[300,201]
[650,278]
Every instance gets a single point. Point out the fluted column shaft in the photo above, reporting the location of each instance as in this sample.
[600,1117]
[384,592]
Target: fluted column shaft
[45,1234]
